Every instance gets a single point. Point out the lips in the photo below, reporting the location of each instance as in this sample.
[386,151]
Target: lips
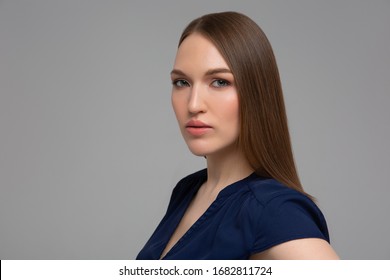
[197,123]
[197,128]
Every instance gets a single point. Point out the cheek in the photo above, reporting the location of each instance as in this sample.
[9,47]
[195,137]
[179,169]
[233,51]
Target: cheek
[178,105]
[230,109]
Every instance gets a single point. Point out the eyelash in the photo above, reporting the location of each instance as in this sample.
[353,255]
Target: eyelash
[225,83]
[176,83]
[182,81]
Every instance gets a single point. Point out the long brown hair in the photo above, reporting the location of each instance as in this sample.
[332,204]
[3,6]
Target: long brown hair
[264,137]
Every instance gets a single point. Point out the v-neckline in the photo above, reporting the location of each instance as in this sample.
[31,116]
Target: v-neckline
[227,190]
[191,197]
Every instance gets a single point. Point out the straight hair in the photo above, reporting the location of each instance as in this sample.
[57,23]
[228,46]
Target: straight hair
[264,135]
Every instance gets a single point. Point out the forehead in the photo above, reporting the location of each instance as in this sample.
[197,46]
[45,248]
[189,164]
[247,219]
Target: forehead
[196,53]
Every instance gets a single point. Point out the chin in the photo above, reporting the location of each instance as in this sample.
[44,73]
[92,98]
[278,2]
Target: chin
[207,147]
[198,153]
[206,151]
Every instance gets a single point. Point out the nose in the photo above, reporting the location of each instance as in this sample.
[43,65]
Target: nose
[196,102]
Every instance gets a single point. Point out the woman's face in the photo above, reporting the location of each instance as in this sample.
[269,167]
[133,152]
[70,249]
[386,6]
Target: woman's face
[204,98]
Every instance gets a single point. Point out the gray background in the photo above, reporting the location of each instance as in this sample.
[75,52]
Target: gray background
[90,149]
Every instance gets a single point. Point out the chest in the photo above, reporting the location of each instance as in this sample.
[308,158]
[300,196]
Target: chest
[195,210]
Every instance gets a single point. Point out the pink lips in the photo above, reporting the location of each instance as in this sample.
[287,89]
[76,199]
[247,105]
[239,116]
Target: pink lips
[197,128]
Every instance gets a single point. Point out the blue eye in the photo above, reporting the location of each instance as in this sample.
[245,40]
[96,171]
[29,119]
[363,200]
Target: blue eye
[220,83]
[180,83]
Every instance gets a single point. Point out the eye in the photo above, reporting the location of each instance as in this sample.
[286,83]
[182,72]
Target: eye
[180,83]
[220,83]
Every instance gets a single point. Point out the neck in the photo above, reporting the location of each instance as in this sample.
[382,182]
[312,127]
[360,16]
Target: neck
[226,168]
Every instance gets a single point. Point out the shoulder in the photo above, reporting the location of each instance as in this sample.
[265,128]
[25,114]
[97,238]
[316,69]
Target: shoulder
[189,182]
[268,191]
[186,186]
[283,214]
[289,225]
[274,198]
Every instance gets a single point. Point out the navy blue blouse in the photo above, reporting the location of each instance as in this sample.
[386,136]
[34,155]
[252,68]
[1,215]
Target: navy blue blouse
[247,217]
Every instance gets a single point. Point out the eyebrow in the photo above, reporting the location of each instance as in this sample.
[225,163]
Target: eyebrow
[208,72]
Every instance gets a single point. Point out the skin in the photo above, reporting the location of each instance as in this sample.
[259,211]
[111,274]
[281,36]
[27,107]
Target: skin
[204,90]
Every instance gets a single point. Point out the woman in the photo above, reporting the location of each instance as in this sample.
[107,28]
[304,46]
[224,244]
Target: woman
[248,203]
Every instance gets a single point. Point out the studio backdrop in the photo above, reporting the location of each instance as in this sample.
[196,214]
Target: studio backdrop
[90,149]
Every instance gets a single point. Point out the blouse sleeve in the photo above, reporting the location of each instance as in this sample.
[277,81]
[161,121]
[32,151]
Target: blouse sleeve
[287,217]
